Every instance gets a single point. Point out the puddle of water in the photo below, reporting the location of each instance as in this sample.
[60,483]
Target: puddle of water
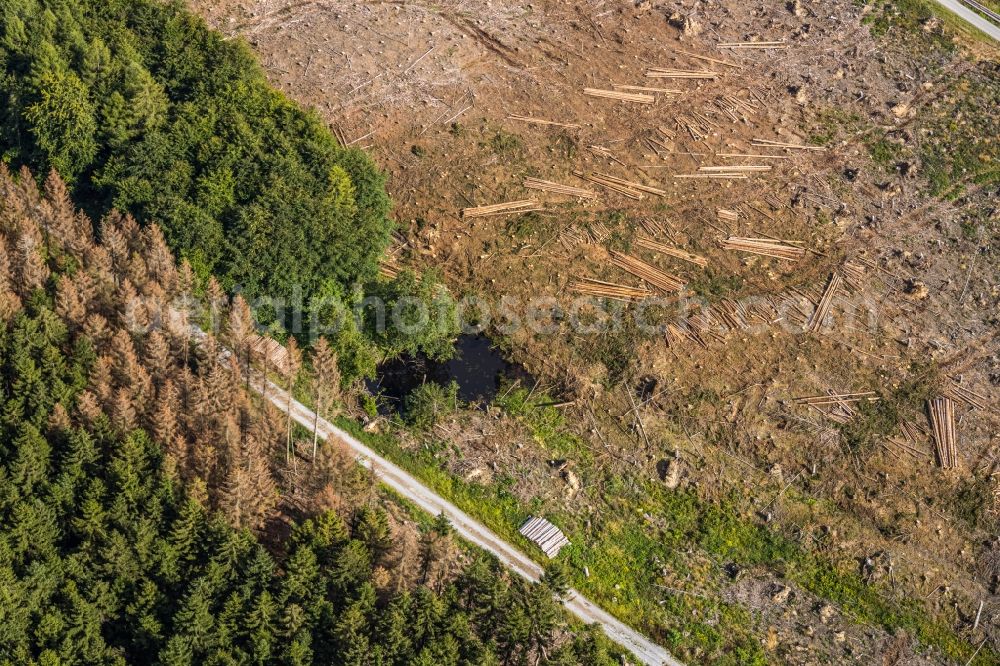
[477,367]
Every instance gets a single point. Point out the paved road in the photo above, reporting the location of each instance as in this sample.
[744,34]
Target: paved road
[409,487]
[971,17]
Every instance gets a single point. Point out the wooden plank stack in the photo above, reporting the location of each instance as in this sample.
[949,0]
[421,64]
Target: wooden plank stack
[942,417]
[523,206]
[639,98]
[671,251]
[651,274]
[825,303]
[764,246]
[618,292]
[547,536]
[558,188]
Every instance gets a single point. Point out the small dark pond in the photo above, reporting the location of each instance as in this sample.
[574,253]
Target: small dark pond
[477,367]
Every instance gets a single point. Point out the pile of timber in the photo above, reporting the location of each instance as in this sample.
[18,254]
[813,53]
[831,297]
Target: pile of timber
[715,176]
[959,393]
[754,155]
[387,270]
[647,89]
[671,251]
[913,435]
[547,536]
[825,303]
[651,274]
[269,352]
[830,398]
[620,185]
[781,44]
[639,98]
[735,168]
[854,275]
[838,405]
[726,215]
[767,143]
[665,73]
[558,188]
[942,417]
[523,206]
[540,121]
[618,292]
[764,246]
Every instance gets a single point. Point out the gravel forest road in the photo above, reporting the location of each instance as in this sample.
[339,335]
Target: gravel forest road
[470,529]
[980,22]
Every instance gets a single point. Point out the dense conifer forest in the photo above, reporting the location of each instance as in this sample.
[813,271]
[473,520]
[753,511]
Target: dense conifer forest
[153,512]
[139,106]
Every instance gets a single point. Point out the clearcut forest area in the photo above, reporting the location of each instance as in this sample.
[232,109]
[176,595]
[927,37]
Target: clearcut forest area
[712,287]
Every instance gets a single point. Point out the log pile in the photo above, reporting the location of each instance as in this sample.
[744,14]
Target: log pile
[838,404]
[825,303]
[726,215]
[734,168]
[665,73]
[781,44]
[764,246]
[767,143]
[912,436]
[630,192]
[388,270]
[269,352]
[523,206]
[941,411]
[959,393]
[618,292]
[671,251]
[854,275]
[646,89]
[651,274]
[639,98]
[558,188]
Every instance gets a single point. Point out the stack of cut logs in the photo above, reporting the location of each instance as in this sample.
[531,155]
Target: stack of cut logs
[942,416]
[764,246]
[639,98]
[651,274]
[558,188]
[523,206]
[825,303]
[618,292]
